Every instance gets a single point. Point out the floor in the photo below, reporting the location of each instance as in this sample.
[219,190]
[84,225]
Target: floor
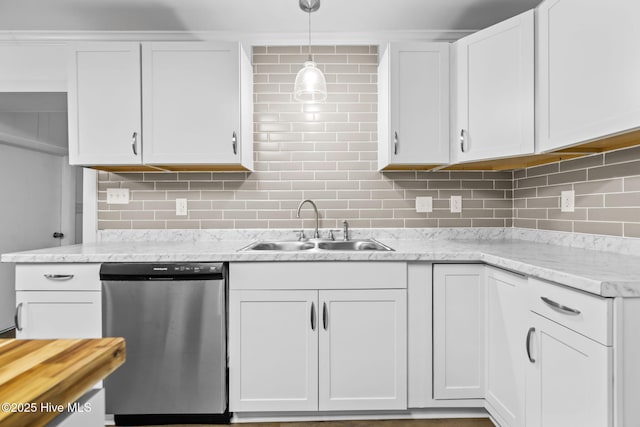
[471,422]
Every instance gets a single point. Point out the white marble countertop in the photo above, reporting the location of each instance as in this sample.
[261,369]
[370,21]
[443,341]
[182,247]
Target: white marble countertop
[603,273]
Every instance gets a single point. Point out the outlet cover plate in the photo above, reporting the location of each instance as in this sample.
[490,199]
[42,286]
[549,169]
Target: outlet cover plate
[117,196]
[181,207]
[567,201]
[456,204]
[424,204]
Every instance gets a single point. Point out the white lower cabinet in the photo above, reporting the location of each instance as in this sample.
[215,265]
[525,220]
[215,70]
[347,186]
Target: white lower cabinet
[363,356]
[87,411]
[506,315]
[58,301]
[304,350]
[274,350]
[569,373]
[316,349]
[58,315]
[569,381]
[458,331]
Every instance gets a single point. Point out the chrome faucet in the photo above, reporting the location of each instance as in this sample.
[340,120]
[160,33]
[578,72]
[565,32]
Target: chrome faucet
[345,230]
[316,234]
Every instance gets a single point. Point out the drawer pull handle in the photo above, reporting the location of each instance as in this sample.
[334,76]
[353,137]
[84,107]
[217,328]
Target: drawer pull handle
[59,277]
[559,307]
[527,344]
[313,316]
[17,316]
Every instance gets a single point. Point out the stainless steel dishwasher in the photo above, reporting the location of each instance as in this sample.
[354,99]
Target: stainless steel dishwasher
[172,317]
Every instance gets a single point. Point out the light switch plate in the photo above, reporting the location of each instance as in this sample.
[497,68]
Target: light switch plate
[117,196]
[567,201]
[424,204]
[181,207]
[456,204]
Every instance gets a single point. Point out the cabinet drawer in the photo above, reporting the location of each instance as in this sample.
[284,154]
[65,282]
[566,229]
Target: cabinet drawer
[318,275]
[589,315]
[58,277]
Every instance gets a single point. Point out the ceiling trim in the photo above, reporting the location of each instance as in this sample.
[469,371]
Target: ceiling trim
[271,39]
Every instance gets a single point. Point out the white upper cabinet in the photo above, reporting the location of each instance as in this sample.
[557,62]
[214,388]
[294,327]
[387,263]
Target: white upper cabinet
[191,103]
[494,84]
[196,105]
[413,105]
[104,104]
[587,70]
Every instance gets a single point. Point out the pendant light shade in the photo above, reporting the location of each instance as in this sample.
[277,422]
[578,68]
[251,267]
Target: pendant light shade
[310,85]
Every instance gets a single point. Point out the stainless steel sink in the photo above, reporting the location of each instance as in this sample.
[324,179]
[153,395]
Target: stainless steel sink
[281,246]
[318,245]
[353,245]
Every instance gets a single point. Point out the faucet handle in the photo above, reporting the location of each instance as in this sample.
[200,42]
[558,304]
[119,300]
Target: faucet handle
[300,233]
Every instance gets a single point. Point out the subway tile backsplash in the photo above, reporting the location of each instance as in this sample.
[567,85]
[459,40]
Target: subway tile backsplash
[330,155]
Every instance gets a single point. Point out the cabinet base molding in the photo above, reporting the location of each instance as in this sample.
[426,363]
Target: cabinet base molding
[413,414]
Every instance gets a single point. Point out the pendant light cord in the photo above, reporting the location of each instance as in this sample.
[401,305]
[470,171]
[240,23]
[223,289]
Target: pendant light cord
[310,58]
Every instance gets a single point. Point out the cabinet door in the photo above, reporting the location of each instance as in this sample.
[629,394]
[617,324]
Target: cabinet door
[58,314]
[363,350]
[104,104]
[569,378]
[191,102]
[506,319]
[587,69]
[494,84]
[273,351]
[458,331]
[414,104]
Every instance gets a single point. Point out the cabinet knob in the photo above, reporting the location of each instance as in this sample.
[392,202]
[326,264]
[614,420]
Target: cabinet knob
[58,235]
[462,140]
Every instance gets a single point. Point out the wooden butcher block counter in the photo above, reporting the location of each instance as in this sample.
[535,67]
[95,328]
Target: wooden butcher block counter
[43,374]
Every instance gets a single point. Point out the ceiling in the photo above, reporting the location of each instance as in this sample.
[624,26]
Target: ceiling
[256,16]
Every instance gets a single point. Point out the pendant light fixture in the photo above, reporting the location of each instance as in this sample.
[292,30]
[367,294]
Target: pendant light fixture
[310,85]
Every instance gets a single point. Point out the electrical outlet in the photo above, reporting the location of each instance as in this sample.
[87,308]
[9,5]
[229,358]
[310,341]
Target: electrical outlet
[117,196]
[424,204]
[456,204]
[567,201]
[181,207]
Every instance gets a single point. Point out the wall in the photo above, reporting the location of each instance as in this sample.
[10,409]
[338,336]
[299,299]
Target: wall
[328,155]
[607,188]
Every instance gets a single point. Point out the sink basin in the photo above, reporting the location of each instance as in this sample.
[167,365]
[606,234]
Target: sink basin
[281,246]
[353,245]
[318,245]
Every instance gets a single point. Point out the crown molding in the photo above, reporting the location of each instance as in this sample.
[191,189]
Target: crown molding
[274,39]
